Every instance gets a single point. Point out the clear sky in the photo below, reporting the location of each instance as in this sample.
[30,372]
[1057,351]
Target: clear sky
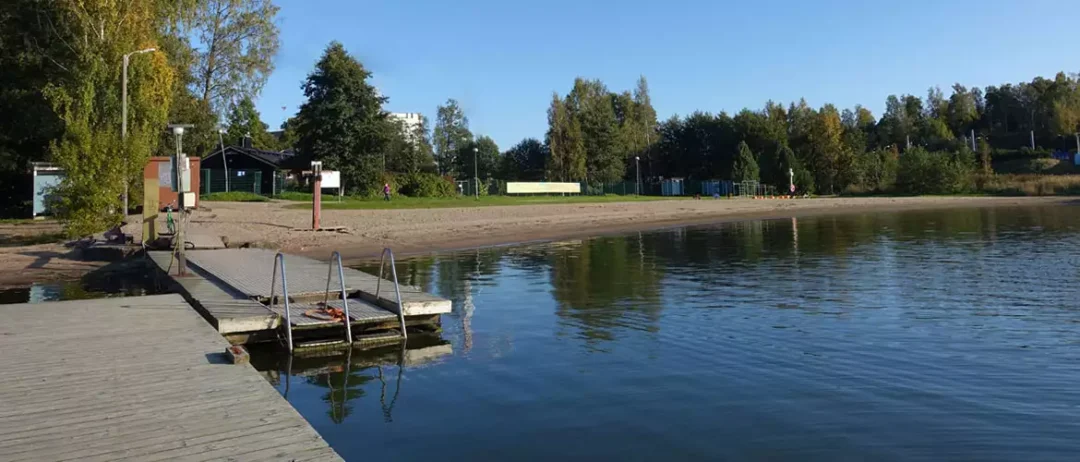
[502,59]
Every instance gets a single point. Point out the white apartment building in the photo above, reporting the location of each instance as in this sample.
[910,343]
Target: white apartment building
[410,121]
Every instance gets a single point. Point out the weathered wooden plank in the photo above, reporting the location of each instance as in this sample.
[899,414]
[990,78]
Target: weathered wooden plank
[140,378]
[250,271]
[230,311]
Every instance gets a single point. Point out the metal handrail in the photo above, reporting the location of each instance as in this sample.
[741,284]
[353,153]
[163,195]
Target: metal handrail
[397,288]
[280,259]
[344,295]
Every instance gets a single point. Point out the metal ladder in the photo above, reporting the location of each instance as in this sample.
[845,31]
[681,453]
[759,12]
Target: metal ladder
[279,259]
[397,288]
[344,295]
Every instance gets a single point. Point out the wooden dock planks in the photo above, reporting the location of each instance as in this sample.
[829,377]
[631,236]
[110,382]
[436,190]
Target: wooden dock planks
[250,271]
[139,378]
[229,310]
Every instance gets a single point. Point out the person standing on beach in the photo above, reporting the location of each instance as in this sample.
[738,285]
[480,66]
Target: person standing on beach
[386,191]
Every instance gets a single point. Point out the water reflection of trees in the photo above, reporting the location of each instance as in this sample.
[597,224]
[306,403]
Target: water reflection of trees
[604,284]
[348,376]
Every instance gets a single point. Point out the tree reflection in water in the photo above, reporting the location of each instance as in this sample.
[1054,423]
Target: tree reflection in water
[349,375]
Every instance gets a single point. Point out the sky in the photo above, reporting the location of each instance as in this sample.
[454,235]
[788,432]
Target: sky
[501,60]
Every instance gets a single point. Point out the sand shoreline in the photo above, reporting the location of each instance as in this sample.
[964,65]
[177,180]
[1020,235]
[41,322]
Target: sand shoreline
[421,231]
[522,230]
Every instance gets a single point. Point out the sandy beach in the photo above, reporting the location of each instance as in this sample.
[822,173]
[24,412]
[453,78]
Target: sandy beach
[410,231]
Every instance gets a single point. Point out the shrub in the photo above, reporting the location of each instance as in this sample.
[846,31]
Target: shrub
[924,172]
[425,185]
[294,196]
[878,169]
[1031,185]
[804,180]
[233,196]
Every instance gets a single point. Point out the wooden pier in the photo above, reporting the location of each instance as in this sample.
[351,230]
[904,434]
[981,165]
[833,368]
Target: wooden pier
[231,288]
[137,378]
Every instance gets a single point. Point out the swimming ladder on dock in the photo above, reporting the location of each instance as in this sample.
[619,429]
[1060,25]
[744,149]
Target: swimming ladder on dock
[237,290]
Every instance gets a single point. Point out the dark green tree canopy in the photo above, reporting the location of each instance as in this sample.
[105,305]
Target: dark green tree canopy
[486,155]
[244,122]
[746,165]
[525,161]
[451,135]
[342,123]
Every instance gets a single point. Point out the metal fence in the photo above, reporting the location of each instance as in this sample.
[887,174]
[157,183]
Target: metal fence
[213,181]
[668,187]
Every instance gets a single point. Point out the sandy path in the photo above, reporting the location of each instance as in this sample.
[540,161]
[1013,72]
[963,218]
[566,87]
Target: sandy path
[423,230]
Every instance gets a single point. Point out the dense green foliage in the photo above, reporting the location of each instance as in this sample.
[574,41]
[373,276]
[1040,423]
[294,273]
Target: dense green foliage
[594,134]
[60,102]
[524,162]
[243,121]
[452,136]
[60,90]
[925,172]
[239,40]
[409,150]
[486,153]
[86,98]
[746,165]
[342,123]
[831,151]
[234,196]
[425,185]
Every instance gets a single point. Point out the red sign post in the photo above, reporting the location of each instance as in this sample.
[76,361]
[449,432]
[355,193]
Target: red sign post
[316,194]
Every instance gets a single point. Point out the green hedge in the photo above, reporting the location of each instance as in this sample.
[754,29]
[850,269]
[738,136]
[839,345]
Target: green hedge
[924,172]
[425,185]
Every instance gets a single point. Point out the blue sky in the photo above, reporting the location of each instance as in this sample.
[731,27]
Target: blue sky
[502,59]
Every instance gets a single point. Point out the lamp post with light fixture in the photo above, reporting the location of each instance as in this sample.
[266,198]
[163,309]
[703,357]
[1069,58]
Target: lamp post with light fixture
[123,123]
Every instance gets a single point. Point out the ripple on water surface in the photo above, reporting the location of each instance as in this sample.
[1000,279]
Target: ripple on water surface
[923,335]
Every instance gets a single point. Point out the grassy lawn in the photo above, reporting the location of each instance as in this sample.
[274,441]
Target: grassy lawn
[234,196]
[32,239]
[330,202]
[19,221]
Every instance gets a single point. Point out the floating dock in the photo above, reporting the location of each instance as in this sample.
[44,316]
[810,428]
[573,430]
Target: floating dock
[231,288]
[140,378]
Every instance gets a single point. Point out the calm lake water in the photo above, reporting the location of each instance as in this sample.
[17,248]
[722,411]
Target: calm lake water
[116,280]
[943,335]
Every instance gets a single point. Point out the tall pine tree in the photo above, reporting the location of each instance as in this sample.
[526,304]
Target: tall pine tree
[342,123]
[746,165]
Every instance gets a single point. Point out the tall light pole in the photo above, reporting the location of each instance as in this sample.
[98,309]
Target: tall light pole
[123,123]
[476,175]
[221,140]
[637,163]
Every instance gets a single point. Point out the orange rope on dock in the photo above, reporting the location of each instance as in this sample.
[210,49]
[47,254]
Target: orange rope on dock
[326,314]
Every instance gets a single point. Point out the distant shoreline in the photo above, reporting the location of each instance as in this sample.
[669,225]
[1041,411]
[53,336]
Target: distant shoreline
[584,223]
[424,231]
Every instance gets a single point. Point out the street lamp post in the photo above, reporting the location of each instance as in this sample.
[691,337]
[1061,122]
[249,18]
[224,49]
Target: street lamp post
[123,123]
[637,163]
[224,161]
[476,175]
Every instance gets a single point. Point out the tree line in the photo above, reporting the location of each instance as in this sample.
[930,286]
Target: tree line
[594,135]
[191,61]
[60,100]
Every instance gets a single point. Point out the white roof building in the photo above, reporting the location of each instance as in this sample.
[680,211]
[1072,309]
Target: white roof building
[409,120]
